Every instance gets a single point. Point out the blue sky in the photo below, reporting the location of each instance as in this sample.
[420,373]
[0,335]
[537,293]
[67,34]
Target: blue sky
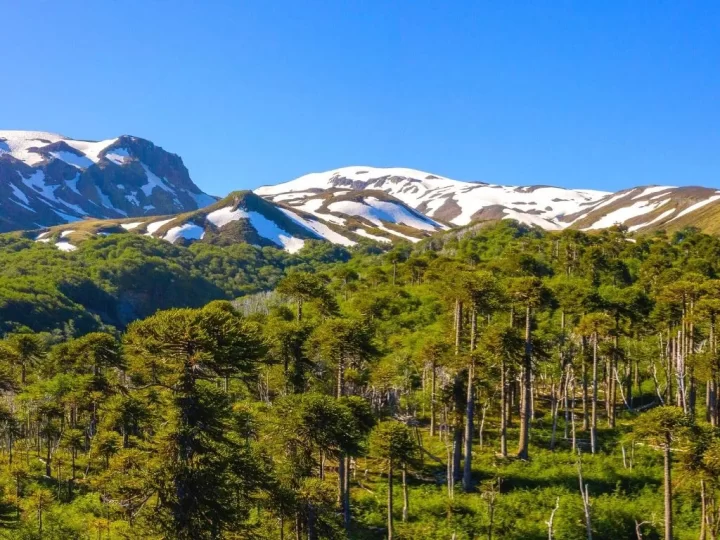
[601,95]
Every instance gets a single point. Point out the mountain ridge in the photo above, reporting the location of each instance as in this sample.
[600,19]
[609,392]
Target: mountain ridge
[460,202]
[49,182]
[48,179]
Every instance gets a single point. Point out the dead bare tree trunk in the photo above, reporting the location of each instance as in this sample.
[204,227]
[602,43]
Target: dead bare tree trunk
[549,522]
[554,406]
[703,511]
[503,410]
[585,499]
[406,498]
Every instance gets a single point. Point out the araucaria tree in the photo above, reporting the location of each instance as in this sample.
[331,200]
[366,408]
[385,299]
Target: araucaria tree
[298,412]
[198,469]
[393,442]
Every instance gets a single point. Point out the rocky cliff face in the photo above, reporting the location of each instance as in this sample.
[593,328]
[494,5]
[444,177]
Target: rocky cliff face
[48,179]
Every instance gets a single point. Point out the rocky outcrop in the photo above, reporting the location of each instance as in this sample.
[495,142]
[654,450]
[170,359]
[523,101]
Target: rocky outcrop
[48,179]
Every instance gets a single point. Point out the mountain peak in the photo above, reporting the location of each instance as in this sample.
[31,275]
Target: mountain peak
[454,201]
[47,179]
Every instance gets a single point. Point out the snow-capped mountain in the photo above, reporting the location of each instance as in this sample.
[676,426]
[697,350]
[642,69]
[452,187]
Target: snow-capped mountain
[48,179]
[451,201]
[652,207]
[246,217]
[61,186]
[458,203]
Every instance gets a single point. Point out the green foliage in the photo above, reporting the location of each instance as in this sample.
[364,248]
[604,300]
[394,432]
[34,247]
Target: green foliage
[116,279]
[137,402]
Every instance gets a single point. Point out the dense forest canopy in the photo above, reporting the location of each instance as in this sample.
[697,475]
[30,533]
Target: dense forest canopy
[490,382]
[113,280]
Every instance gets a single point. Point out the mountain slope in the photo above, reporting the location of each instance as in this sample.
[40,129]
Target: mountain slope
[245,217]
[458,203]
[650,208]
[48,179]
[444,199]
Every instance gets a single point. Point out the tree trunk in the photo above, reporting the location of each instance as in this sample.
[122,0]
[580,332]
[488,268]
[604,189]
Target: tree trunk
[458,325]
[503,410]
[586,417]
[48,463]
[703,511]
[433,385]
[469,412]
[346,504]
[390,501]
[340,377]
[341,483]
[311,528]
[612,398]
[585,499]
[554,408]
[406,497]
[668,488]
[523,443]
[457,452]
[593,420]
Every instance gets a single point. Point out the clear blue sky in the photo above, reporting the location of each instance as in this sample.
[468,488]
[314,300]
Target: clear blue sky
[590,94]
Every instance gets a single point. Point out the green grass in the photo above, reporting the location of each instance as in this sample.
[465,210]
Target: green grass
[528,492]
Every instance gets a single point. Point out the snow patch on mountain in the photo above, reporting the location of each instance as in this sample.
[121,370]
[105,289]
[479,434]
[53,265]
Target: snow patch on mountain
[270,230]
[188,231]
[319,229]
[91,149]
[19,194]
[131,226]
[67,217]
[225,215]
[531,219]
[363,232]
[65,246]
[152,227]
[377,211]
[436,196]
[118,155]
[81,162]
[19,144]
[153,182]
[664,215]
[652,189]
[621,215]
[696,206]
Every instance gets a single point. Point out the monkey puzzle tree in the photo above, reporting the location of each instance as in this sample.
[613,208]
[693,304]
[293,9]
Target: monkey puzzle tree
[530,293]
[663,426]
[341,342]
[182,353]
[304,287]
[503,346]
[286,346]
[22,349]
[393,442]
[434,352]
[315,427]
[484,296]
[595,326]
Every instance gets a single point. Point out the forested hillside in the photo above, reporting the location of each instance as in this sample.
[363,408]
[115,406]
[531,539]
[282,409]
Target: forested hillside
[113,280]
[497,382]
